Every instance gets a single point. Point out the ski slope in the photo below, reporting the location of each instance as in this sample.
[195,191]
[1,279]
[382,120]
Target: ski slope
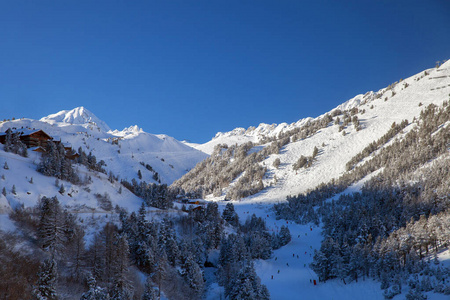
[292,277]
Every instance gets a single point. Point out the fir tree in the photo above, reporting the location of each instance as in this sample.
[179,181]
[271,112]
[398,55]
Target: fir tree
[150,292]
[192,274]
[95,292]
[230,215]
[54,227]
[46,285]
[276,163]
[62,190]
[8,140]
[284,236]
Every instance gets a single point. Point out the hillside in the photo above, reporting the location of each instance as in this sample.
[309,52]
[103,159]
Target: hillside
[352,204]
[396,141]
[375,113]
[122,151]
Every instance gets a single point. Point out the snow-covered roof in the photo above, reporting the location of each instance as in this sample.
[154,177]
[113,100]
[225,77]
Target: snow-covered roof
[25,132]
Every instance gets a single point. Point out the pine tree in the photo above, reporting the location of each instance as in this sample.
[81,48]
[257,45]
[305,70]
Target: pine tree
[150,292]
[108,237]
[121,261]
[55,163]
[13,190]
[95,292]
[284,236]
[5,166]
[96,257]
[52,227]
[315,152]
[230,215]
[46,285]
[321,266]
[62,190]
[167,239]
[75,252]
[247,285]
[192,274]
[8,140]
[276,163]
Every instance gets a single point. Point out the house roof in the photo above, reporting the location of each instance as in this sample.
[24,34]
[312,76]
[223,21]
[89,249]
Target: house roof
[27,131]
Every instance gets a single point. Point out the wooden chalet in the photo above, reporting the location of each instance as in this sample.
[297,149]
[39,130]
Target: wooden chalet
[38,149]
[31,138]
[37,140]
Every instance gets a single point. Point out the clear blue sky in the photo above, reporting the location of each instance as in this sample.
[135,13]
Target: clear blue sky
[191,68]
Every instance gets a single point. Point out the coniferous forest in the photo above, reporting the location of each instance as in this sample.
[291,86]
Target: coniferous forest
[384,219]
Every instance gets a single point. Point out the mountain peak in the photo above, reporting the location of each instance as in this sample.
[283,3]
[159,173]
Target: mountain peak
[78,116]
[131,131]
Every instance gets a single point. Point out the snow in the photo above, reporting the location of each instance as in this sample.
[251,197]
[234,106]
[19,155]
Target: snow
[123,151]
[444,258]
[79,115]
[76,197]
[6,224]
[252,134]
[293,281]
[334,148]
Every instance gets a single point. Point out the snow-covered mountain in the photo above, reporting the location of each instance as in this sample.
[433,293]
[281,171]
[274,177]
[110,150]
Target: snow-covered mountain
[337,135]
[77,116]
[124,152]
[287,273]
[255,134]
[377,111]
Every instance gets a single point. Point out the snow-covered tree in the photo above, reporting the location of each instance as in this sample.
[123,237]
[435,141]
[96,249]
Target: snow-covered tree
[150,293]
[230,215]
[284,235]
[45,288]
[192,275]
[276,163]
[52,227]
[95,292]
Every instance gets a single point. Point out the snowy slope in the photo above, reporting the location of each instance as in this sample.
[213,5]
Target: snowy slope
[255,134]
[123,151]
[287,274]
[404,100]
[31,185]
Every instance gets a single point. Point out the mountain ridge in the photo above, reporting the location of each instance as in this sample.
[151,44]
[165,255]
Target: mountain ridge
[123,151]
[351,126]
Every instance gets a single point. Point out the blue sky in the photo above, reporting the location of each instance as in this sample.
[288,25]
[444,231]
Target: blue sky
[192,68]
